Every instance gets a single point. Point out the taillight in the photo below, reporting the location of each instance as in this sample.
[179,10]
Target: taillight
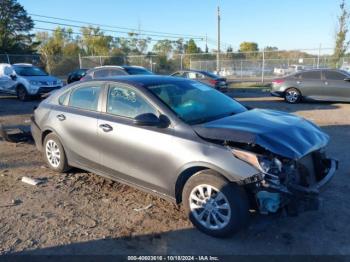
[213,82]
[278,81]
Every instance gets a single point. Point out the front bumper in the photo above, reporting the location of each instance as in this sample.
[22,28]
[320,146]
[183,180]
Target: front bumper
[297,198]
[47,89]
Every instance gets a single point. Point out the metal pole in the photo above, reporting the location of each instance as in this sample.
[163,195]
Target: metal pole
[181,61]
[263,66]
[318,56]
[241,69]
[8,59]
[100,61]
[218,51]
[151,60]
[80,61]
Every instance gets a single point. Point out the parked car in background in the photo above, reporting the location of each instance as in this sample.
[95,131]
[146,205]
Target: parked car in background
[187,142]
[76,75]
[109,71]
[206,77]
[316,84]
[26,80]
[289,70]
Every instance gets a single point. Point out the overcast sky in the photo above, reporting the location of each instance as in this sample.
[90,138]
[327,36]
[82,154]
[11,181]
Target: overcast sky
[287,24]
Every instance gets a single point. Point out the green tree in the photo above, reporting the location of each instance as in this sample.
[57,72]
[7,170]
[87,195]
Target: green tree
[15,25]
[94,42]
[191,47]
[163,47]
[248,47]
[341,44]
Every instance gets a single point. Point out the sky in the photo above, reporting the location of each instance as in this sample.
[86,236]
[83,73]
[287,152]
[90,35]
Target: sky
[286,24]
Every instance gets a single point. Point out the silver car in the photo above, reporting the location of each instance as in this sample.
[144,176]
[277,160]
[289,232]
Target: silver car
[186,142]
[316,84]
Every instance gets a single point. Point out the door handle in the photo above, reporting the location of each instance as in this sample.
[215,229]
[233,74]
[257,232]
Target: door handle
[326,83]
[106,127]
[61,117]
[298,82]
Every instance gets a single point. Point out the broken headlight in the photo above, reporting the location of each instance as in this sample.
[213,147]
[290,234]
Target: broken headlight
[265,164]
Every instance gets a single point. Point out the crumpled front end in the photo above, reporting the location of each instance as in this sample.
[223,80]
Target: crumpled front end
[294,184]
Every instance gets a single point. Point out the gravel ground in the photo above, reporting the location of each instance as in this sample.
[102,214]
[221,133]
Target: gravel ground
[81,213]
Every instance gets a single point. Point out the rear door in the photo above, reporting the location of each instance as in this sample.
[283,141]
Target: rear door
[75,122]
[135,154]
[310,84]
[336,88]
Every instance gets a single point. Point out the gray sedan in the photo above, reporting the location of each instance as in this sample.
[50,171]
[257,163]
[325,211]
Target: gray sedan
[317,84]
[188,143]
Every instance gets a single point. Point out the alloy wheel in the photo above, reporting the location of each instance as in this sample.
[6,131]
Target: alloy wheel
[53,153]
[210,207]
[292,96]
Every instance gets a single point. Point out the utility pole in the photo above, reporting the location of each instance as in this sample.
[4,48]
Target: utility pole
[206,43]
[318,56]
[218,68]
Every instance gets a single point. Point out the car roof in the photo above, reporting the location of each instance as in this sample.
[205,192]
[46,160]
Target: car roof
[142,80]
[23,64]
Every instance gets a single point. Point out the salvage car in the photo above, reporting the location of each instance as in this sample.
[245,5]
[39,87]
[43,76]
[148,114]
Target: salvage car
[315,84]
[110,71]
[205,77]
[186,142]
[26,81]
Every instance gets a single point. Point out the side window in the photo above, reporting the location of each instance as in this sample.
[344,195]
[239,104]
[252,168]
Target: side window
[8,71]
[334,75]
[101,73]
[116,72]
[200,76]
[192,75]
[178,74]
[85,97]
[62,99]
[126,102]
[314,75]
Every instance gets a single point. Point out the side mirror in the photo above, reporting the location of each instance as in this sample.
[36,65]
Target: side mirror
[13,76]
[347,79]
[150,119]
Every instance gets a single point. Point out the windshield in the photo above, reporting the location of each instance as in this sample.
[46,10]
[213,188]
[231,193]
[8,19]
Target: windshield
[195,102]
[29,71]
[137,71]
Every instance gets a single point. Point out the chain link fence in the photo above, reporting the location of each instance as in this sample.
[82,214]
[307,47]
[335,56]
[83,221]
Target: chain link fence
[249,66]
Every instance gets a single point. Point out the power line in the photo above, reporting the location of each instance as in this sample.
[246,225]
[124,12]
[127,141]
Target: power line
[94,35]
[118,27]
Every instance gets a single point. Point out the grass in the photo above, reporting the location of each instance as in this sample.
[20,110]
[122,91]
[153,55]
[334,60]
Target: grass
[251,86]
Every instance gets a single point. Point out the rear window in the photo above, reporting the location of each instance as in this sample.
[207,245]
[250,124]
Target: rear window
[137,71]
[85,97]
[316,75]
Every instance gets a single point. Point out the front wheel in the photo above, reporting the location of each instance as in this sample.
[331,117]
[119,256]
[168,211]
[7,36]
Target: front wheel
[22,93]
[292,96]
[214,205]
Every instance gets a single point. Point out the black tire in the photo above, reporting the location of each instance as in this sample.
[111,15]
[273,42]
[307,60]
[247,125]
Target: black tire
[292,95]
[62,165]
[236,199]
[22,93]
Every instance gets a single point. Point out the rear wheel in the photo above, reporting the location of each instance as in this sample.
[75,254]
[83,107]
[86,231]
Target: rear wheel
[214,205]
[292,95]
[22,93]
[54,154]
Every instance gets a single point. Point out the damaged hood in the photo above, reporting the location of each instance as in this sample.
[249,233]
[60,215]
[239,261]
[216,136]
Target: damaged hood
[281,133]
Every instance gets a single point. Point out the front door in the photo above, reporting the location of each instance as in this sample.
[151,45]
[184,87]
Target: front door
[133,153]
[336,88]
